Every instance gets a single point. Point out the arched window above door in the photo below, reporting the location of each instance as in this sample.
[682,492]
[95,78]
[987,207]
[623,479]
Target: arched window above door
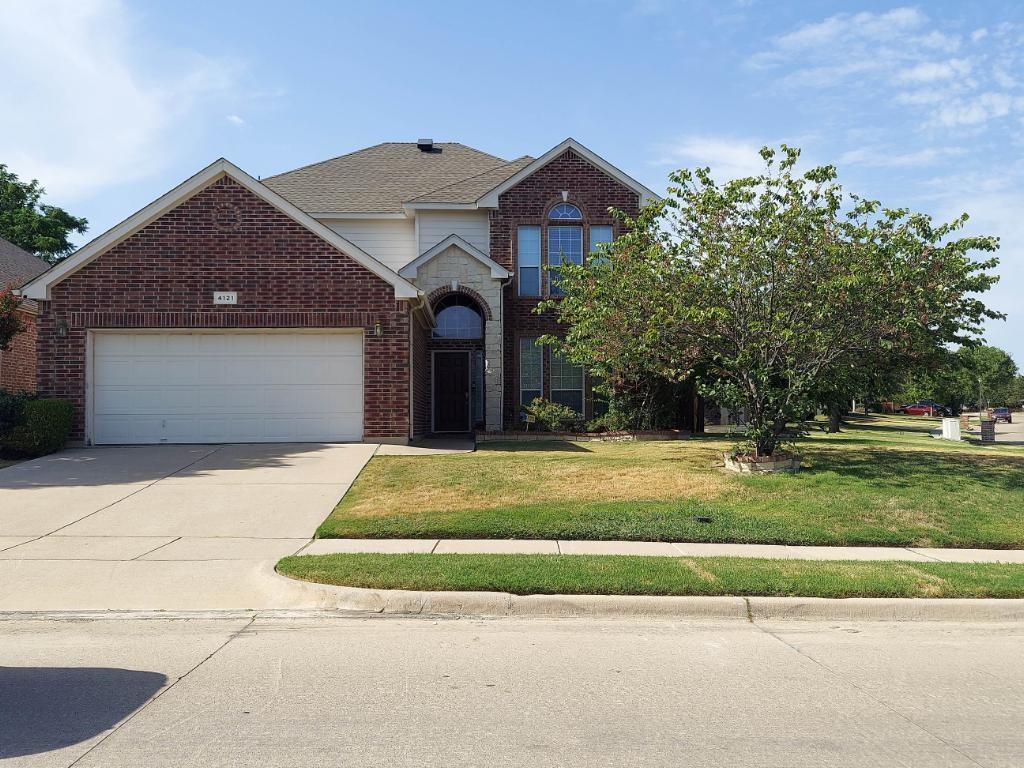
[458,318]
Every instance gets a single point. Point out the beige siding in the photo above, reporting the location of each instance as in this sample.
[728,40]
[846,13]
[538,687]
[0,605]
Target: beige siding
[391,241]
[472,226]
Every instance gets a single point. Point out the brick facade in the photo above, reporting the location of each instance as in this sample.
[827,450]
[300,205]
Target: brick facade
[18,362]
[224,238]
[527,204]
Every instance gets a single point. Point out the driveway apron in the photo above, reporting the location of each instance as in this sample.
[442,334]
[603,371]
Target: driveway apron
[164,527]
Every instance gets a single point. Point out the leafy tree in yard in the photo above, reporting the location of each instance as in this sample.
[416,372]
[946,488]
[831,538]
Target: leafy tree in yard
[771,289]
[10,321]
[959,378]
[30,224]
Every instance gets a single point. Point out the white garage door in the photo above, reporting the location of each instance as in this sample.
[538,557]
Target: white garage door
[232,386]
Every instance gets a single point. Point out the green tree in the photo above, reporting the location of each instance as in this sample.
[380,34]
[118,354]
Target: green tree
[770,289]
[27,222]
[10,320]
[961,378]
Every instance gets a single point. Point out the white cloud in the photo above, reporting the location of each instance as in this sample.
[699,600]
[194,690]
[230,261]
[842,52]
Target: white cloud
[234,119]
[727,158]
[930,71]
[976,110]
[906,58]
[880,157]
[96,103]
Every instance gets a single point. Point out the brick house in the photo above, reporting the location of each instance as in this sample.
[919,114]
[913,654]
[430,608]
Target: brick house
[381,295]
[18,361]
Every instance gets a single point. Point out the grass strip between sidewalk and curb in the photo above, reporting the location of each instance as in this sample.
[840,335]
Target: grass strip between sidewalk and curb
[639,575]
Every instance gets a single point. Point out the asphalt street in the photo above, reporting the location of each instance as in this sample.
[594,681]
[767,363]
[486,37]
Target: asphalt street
[318,690]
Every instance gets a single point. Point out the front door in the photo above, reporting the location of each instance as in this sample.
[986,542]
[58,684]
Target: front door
[451,392]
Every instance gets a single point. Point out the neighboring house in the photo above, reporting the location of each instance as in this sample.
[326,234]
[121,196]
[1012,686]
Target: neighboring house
[380,295]
[18,362]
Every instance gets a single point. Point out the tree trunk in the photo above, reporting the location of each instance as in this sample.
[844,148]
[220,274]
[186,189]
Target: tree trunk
[835,417]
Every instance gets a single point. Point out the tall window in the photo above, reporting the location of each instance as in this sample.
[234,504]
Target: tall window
[457,318]
[531,370]
[529,261]
[565,244]
[566,382]
[600,234]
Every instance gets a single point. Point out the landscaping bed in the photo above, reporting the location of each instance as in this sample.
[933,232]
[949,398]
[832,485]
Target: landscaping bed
[635,575]
[883,481]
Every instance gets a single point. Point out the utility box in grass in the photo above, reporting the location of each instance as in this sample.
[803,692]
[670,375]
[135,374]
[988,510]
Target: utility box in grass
[988,431]
[951,429]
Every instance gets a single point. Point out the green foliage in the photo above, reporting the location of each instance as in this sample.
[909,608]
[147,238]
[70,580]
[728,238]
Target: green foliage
[770,290]
[973,376]
[554,417]
[30,224]
[39,426]
[10,320]
[12,406]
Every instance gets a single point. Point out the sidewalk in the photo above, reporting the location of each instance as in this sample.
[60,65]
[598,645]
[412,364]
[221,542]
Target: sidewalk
[656,548]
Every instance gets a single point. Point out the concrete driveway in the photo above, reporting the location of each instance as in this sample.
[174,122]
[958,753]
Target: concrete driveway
[164,527]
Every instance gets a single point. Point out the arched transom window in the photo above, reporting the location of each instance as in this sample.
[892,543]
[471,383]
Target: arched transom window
[566,212]
[457,318]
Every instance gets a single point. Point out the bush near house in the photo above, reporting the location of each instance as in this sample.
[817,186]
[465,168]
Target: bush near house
[31,426]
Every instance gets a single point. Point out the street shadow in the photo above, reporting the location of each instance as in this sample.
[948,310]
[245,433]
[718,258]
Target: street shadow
[48,708]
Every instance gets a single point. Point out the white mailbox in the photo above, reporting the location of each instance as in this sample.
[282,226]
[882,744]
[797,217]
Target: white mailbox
[951,429]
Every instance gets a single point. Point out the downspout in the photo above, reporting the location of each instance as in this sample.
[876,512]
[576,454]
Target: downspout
[421,304]
[501,314]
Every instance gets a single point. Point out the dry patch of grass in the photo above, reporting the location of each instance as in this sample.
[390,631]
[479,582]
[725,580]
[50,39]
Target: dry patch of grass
[495,476]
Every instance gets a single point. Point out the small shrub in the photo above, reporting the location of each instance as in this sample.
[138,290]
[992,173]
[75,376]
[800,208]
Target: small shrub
[12,406]
[554,417]
[43,427]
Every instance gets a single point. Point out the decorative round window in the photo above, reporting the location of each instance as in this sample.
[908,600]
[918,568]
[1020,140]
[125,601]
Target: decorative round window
[457,318]
[566,212]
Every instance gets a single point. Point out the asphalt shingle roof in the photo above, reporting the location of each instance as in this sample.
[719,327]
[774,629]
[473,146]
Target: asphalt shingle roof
[381,178]
[473,188]
[18,266]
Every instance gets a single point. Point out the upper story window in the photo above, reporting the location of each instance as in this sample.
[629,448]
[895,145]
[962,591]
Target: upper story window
[600,234]
[566,212]
[565,244]
[528,240]
[457,318]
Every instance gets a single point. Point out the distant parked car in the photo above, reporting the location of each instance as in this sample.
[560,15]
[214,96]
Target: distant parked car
[1000,414]
[924,408]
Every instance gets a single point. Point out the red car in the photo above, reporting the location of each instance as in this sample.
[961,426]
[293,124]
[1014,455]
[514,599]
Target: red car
[920,409]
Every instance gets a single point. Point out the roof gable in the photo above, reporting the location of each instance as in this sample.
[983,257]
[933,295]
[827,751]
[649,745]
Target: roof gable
[490,199]
[39,288]
[497,271]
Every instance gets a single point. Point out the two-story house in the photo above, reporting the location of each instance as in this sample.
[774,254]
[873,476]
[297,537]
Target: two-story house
[381,295]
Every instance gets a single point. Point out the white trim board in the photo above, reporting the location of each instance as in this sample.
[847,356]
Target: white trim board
[40,287]
[497,271]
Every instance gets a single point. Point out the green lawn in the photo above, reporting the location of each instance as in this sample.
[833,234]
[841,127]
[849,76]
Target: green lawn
[883,481]
[618,575]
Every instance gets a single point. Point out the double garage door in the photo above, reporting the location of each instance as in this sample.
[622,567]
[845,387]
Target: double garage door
[226,386]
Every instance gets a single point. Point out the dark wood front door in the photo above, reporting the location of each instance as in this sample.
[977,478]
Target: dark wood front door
[451,392]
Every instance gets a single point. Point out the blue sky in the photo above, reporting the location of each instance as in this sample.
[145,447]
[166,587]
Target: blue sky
[918,105]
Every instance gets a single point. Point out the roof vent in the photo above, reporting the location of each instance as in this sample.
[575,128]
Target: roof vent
[425,145]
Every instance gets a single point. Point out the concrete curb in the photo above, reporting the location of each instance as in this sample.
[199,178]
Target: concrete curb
[504,605]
